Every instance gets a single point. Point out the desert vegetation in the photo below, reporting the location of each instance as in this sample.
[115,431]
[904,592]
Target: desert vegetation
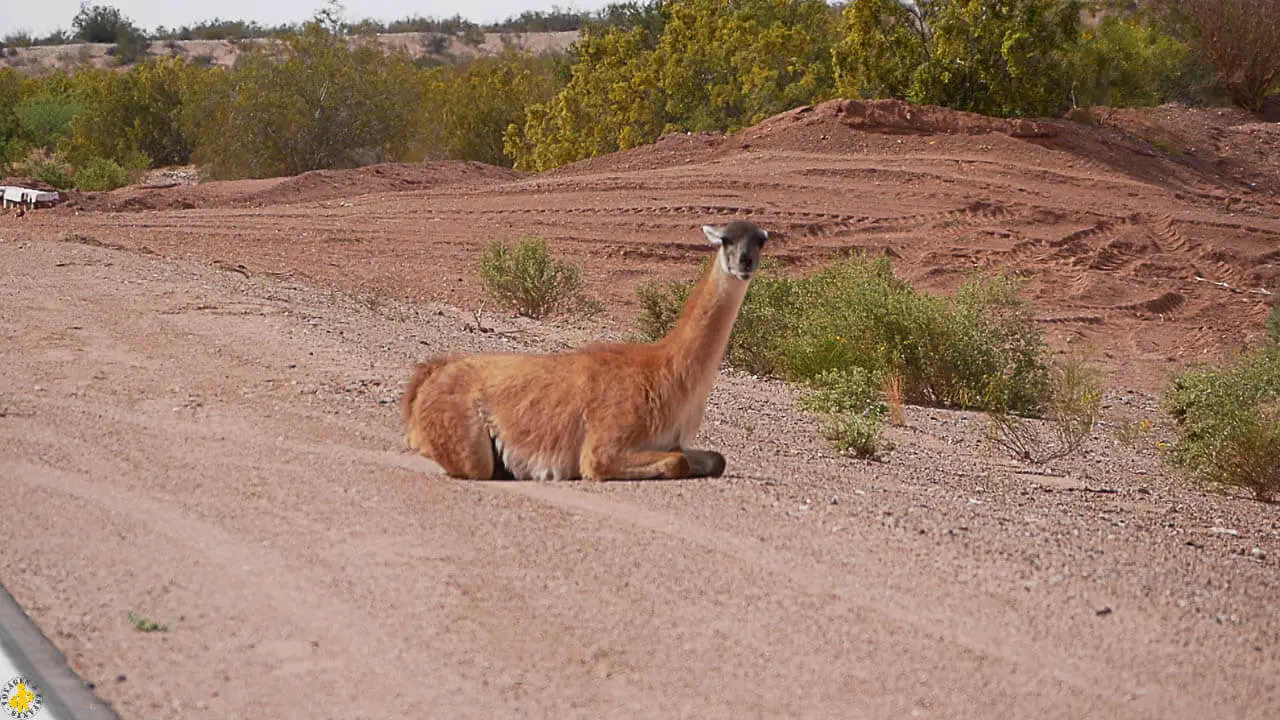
[327,94]
[863,340]
[1228,419]
[528,279]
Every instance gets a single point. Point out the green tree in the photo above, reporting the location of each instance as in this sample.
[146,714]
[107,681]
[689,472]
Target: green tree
[315,102]
[1239,37]
[708,65]
[883,44]
[106,24]
[134,118]
[43,120]
[469,108]
[1128,61]
[612,102]
[995,58]
[10,96]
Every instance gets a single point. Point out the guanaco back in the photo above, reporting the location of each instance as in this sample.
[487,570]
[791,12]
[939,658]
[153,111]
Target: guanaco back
[604,411]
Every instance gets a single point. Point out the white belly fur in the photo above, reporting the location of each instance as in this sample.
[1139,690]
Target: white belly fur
[525,466]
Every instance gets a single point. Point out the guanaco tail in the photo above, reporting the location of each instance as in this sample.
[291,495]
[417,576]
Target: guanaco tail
[605,411]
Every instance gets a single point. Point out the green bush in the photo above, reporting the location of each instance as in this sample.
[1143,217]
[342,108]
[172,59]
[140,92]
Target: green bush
[469,108]
[106,24]
[852,409]
[1273,323]
[697,65]
[528,278]
[1228,423]
[660,305]
[135,117]
[99,23]
[46,168]
[315,102]
[754,346]
[1071,413]
[100,174]
[1126,61]
[845,330]
[1005,58]
[10,96]
[44,119]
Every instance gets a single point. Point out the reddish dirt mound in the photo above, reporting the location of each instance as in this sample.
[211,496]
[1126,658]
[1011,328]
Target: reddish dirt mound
[1232,142]
[313,186]
[894,117]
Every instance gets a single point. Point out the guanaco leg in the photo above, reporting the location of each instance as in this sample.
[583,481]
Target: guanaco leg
[653,464]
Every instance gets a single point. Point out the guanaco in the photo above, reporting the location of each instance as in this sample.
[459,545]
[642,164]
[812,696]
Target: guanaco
[607,411]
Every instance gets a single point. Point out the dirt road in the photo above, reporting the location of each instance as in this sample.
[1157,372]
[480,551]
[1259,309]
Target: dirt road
[220,455]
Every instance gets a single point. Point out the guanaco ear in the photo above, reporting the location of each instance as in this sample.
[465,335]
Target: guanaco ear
[713,234]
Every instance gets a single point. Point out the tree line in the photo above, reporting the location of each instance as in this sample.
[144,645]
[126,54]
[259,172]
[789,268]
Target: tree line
[324,95]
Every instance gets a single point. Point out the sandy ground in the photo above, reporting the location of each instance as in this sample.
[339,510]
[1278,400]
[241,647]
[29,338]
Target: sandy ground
[198,426]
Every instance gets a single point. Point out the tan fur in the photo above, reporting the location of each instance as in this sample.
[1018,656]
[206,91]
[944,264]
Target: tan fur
[605,411]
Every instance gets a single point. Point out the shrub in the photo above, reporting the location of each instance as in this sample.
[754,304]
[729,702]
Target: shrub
[473,36]
[1127,61]
[134,117]
[99,23]
[660,305]
[855,327]
[100,174]
[46,168]
[528,278]
[17,39]
[1071,413]
[1005,58]
[106,24]
[1239,38]
[857,433]
[316,103]
[469,108]
[852,410]
[697,65]
[1228,423]
[1273,322]
[131,46]
[43,120]
[755,345]
[10,97]
[950,352]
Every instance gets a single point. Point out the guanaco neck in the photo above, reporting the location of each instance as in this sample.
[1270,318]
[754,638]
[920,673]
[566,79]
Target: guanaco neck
[696,345]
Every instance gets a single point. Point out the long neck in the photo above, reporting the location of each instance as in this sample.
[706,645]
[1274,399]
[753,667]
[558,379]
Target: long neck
[697,342]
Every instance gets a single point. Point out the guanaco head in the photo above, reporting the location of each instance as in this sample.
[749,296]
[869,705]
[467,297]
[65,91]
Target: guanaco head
[740,245]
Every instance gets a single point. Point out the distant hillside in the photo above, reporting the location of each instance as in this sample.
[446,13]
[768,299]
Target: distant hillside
[430,48]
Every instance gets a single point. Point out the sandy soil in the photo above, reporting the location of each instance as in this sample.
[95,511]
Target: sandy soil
[198,419]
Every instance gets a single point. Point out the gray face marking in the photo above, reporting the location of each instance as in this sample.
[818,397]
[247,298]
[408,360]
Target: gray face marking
[740,245]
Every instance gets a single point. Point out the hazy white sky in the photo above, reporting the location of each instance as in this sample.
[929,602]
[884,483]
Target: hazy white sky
[44,16]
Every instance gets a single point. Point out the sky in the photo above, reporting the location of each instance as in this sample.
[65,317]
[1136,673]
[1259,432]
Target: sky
[44,16]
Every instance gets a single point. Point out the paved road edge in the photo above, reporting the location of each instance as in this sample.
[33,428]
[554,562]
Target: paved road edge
[41,662]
